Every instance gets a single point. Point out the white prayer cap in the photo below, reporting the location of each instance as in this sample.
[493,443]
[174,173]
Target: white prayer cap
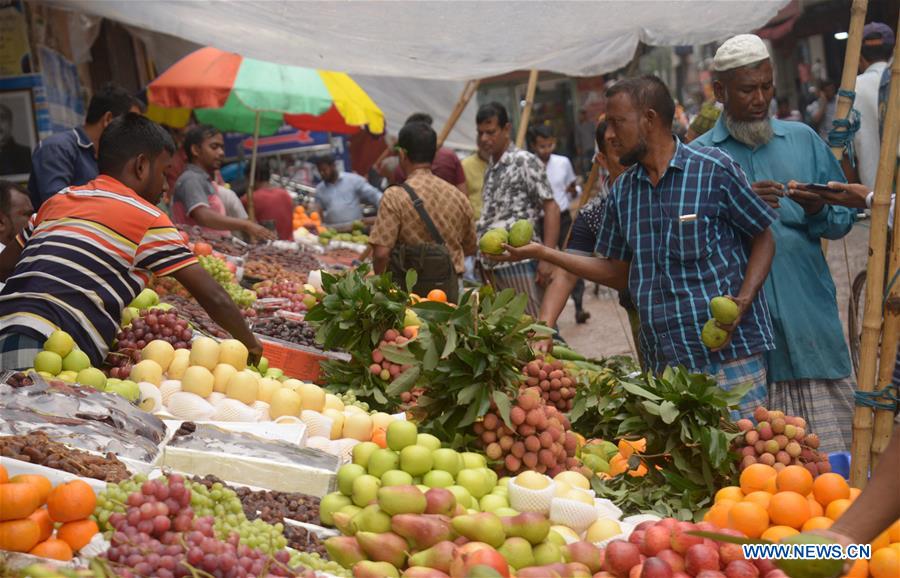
[739,51]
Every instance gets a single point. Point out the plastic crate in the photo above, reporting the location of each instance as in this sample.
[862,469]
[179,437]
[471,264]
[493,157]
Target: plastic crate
[840,463]
[296,361]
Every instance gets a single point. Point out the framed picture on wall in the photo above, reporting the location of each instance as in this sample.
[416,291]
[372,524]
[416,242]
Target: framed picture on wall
[18,134]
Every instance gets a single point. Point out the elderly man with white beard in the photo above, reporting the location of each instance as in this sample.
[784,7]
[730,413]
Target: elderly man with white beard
[809,371]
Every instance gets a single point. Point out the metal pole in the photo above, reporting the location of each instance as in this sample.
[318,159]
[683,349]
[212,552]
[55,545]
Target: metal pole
[250,212]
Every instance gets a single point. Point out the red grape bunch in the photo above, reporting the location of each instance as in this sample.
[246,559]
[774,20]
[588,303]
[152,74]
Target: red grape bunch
[557,386]
[159,536]
[539,440]
[153,324]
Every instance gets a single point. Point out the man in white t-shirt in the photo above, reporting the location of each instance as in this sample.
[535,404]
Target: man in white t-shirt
[15,210]
[562,181]
[877,47]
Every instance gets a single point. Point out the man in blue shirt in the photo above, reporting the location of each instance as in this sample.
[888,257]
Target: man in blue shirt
[809,370]
[681,226]
[69,159]
[340,195]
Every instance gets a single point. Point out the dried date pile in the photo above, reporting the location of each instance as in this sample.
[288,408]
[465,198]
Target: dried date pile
[37,448]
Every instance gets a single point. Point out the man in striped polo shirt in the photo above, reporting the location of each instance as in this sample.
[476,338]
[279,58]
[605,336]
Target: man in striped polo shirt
[91,249]
[681,226]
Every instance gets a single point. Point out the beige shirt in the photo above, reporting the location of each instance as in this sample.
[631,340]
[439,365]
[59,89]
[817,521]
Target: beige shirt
[398,223]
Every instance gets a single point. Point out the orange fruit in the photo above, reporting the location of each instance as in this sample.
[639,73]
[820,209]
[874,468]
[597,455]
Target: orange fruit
[4,475]
[789,509]
[794,479]
[830,487]
[885,563]
[760,497]
[854,493]
[777,533]
[77,534]
[749,518]
[53,548]
[618,464]
[756,478]
[71,501]
[379,436]
[437,295]
[718,514]
[817,523]
[18,501]
[42,484]
[770,486]
[836,508]
[882,540]
[19,535]
[860,569]
[894,531]
[730,493]
[42,517]
[815,508]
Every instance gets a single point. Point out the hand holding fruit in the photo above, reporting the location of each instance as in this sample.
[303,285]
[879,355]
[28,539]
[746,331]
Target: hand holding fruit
[726,316]
[523,253]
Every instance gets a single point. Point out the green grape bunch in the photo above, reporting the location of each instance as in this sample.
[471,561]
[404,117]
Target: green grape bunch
[217,268]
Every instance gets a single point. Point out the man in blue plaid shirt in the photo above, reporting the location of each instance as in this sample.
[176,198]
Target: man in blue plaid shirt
[681,226]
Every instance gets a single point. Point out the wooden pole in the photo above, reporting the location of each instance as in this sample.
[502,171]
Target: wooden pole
[884,179]
[252,181]
[526,112]
[851,63]
[464,98]
[872,317]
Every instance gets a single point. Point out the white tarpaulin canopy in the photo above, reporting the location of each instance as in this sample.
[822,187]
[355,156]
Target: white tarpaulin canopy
[440,40]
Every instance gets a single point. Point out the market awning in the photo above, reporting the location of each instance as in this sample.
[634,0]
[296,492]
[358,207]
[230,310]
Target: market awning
[440,40]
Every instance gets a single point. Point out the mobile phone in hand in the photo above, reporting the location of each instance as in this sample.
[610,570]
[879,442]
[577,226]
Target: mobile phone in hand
[817,188]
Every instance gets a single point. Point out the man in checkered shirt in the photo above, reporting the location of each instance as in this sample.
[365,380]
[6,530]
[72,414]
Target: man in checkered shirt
[681,226]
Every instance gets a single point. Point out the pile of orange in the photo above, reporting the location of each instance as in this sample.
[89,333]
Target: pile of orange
[773,505]
[301,219]
[31,510]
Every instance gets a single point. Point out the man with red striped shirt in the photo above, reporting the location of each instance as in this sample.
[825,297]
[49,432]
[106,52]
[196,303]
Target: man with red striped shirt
[91,249]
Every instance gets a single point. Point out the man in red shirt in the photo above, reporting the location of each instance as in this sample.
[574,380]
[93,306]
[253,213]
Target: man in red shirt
[445,165]
[271,205]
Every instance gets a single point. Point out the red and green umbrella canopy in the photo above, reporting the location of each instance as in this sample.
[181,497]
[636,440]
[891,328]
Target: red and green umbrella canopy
[227,91]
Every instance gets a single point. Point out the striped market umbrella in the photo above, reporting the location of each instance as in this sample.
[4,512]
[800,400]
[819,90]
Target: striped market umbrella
[233,93]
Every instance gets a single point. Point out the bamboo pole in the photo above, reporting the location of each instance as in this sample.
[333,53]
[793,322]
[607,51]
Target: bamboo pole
[526,112]
[884,179]
[863,416]
[252,181]
[464,98]
[851,63]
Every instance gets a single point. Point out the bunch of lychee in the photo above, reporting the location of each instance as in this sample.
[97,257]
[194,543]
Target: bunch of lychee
[381,367]
[779,440]
[539,439]
[556,385]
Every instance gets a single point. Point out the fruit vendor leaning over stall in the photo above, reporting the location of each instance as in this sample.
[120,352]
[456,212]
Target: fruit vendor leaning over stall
[91,249]
[809,370]
[681,226]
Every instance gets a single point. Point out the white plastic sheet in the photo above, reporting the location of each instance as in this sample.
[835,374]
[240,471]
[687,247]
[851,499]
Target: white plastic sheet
[440,40]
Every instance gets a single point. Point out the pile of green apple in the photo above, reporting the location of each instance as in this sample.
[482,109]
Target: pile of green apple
[62,359]
[398,508]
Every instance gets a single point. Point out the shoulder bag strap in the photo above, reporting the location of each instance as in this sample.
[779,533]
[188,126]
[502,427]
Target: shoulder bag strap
[423,214]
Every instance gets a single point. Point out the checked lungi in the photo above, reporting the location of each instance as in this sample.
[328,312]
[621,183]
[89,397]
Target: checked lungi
[17,351]
[521,277]
[730,374]
[825,404]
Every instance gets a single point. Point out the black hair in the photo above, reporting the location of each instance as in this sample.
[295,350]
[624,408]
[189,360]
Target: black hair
[6,189]
[492,110]
[263,173]
[876,52]
[420,117]
[600,136]
[539,130]
[419,141]
[647,92]
[128,136]
[324,159]
[110,98]
[195,136]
